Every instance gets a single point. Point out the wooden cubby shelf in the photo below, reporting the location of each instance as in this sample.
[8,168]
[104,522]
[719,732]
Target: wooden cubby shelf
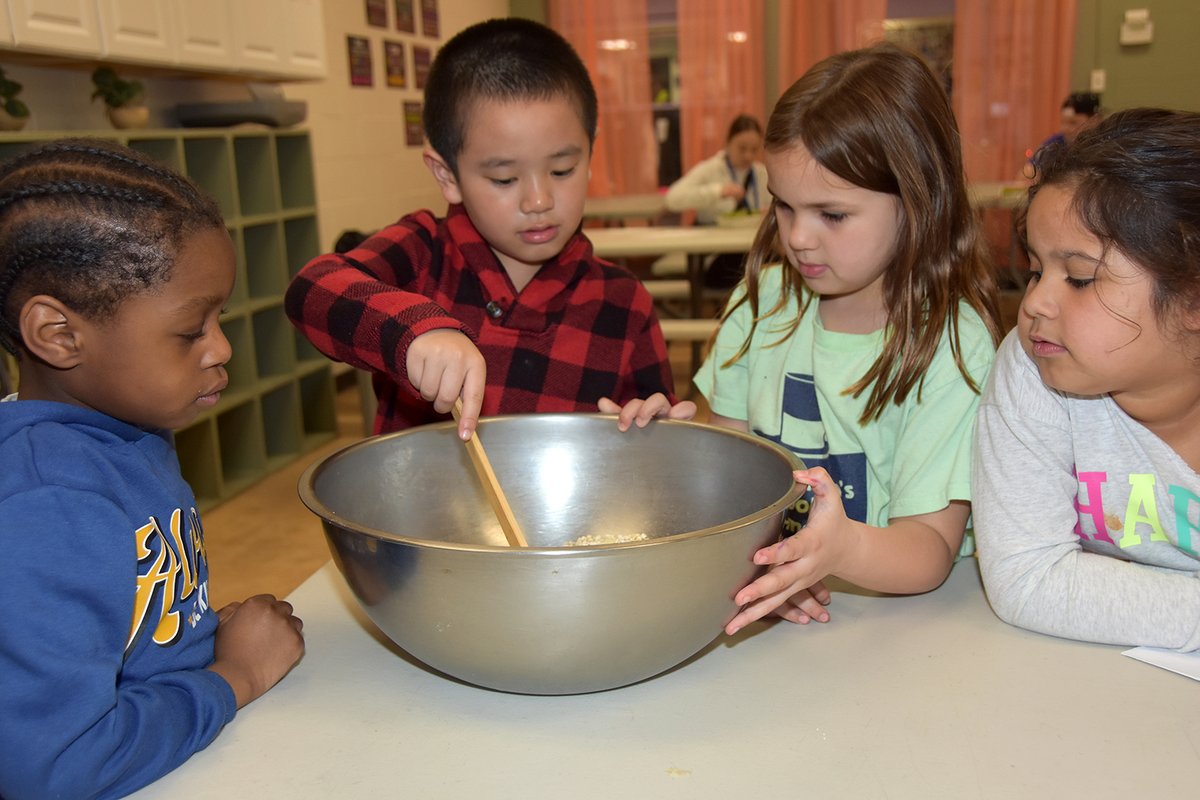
[280,400]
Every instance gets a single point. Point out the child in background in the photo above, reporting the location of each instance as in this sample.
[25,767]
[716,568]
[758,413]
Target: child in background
[502,302]
[113,668]
[863,353]
[1088,439]
[1080,111]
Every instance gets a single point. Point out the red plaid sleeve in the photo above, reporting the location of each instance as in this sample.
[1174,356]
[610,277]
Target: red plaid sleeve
[365,307]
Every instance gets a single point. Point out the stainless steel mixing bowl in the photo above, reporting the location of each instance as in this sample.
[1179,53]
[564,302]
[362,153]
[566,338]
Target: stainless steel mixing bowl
[412,532]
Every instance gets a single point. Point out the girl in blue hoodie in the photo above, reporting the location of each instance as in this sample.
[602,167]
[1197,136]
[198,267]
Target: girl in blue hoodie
[113,667]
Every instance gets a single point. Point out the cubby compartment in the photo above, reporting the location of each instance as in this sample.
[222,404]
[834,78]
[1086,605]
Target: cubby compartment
[273,335]
[295,164]
[200,460]
[13,149]
[282,428]
[243,453]
[208,162]
[257,178]
[301,242]
[280,400]
[319,417]
[242,367]
[241,283]
[305,352]
[266,275]
[165,151]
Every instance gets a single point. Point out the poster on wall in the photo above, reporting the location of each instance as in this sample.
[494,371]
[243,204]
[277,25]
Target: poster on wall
[406,20]
[377,13]
[429,18]
[414,131]
[359,50]
[393,60]
[422,58]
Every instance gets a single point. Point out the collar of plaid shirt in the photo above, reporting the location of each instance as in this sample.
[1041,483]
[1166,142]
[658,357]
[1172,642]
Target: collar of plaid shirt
[545,297]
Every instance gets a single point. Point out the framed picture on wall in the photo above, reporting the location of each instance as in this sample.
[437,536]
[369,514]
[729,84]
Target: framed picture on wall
[414,131]
[377,13]
[358,49]
[429,19]
[930,37]
[422,58]
[406,20]
[393,62]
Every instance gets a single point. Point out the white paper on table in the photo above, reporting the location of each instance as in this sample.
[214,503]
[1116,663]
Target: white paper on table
[1186,664]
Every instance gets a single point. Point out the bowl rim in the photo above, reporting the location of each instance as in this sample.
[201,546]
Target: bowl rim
[305,488]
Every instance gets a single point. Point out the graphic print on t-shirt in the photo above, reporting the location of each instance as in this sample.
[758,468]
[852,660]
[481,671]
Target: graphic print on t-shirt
[802,431]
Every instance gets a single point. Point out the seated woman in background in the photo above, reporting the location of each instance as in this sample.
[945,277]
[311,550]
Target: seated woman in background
[733,179]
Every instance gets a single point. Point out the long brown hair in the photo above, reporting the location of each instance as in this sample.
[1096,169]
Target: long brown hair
[879,119]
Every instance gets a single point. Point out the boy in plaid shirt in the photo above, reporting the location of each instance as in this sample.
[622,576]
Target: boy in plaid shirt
[502,301]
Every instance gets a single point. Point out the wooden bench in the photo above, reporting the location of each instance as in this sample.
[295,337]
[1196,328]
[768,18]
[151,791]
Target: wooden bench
[688,330]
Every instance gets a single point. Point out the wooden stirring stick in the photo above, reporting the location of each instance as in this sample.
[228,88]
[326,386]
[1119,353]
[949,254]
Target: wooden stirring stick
[495,495]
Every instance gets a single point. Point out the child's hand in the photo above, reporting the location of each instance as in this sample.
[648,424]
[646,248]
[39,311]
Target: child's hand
[258,642]
[443,365]
[799,563]
[642,411]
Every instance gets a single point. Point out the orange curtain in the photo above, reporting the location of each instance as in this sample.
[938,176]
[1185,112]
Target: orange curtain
[810,30]
[1012,69]
[720,71]
[612,38]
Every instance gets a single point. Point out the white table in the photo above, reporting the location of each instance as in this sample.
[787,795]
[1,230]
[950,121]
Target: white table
[997,194]
[907,697]
[620,208]
[697,242]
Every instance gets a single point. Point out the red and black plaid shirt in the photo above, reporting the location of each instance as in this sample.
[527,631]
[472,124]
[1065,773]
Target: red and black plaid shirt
[581,330]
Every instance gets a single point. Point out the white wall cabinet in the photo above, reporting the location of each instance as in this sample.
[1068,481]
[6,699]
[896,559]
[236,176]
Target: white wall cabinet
[203,33]
[57,26]
[260,39]
[138,30]
[6,34]
[280,36]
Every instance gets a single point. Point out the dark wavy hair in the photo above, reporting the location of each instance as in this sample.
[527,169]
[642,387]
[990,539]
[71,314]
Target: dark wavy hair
[1135,179]
[880,119]
[501,59]
[742,123]
[91,223]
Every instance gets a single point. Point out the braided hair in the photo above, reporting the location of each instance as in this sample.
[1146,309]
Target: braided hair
[91,223]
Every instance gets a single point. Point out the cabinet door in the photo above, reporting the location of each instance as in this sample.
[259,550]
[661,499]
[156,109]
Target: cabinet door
[304,52]
[259,33]
[57,26]
[6,34]
[280,38]
[204,33]
[137,30]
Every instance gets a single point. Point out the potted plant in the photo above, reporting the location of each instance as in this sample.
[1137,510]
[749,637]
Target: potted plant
[124,99]
[13,113]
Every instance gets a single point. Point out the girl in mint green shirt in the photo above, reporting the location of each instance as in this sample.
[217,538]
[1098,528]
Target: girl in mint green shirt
[863,353]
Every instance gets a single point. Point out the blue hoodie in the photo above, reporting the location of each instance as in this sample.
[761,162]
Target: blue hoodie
[105,628]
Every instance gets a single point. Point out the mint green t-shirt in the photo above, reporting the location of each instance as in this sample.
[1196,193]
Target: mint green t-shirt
[914,459]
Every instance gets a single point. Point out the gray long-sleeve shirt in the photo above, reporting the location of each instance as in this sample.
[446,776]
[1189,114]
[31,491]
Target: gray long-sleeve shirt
[1087,524]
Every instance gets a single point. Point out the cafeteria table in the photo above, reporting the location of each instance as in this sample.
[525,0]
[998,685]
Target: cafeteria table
[696,241]
[619,209]
[927,696]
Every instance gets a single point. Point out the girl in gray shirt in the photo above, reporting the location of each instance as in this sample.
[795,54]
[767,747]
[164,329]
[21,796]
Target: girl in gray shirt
[1086,497]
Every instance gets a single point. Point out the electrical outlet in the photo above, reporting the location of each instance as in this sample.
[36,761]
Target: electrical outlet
[1099,80]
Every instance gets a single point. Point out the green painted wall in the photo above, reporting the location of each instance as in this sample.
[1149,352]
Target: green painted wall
[1165,72]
